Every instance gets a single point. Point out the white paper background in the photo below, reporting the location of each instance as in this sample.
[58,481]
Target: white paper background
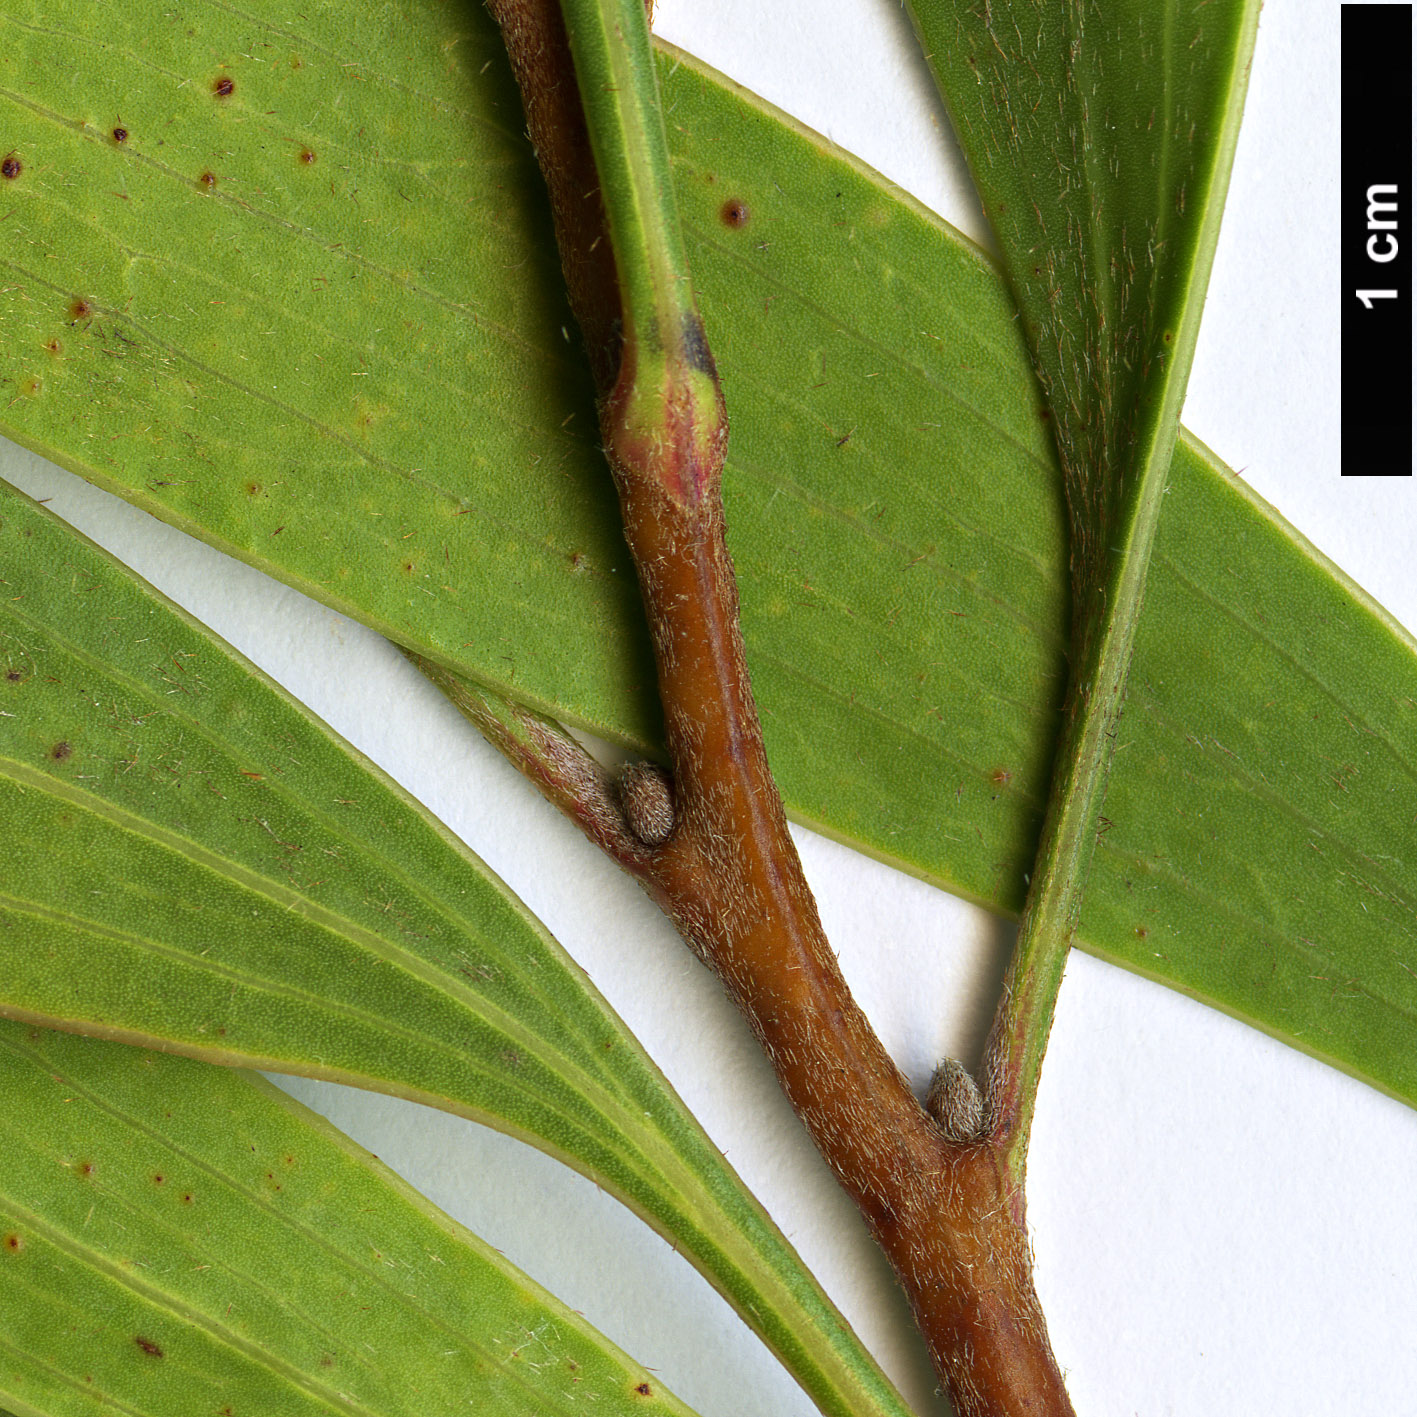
[1221,1225]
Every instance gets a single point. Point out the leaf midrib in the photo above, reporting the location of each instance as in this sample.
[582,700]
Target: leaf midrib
[65,1379]
[129,1278]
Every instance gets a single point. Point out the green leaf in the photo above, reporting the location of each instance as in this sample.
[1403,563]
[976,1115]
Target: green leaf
[176,1238]
[342,367]
[192,860]
[1089,128]
[906,647]
[1100,138]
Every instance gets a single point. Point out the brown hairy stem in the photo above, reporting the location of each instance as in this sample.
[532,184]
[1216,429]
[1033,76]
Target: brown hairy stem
[731,880]
[940,1200]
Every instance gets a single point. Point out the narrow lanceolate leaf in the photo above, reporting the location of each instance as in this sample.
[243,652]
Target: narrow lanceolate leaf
[179,1239]
[444,485]
[193,861]
[1100,136]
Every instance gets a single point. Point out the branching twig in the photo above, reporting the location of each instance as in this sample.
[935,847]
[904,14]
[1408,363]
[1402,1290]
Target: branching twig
[940,1198]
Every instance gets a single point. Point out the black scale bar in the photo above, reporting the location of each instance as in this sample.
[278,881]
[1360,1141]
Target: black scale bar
[1377,235]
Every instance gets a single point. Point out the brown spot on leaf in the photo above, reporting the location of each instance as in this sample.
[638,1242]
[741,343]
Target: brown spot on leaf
[1142,932]
[120,135]
[11,167]
[85,1168]
[158,1178]
[734,213]
[306,156]
[148,1346]
[207,180]
[79,309]
[1000,777]
[13,1243]
[224,87]
[53,346]
[13,675]
[186,1197]
[253,489]
[644,1390]
[62,751]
